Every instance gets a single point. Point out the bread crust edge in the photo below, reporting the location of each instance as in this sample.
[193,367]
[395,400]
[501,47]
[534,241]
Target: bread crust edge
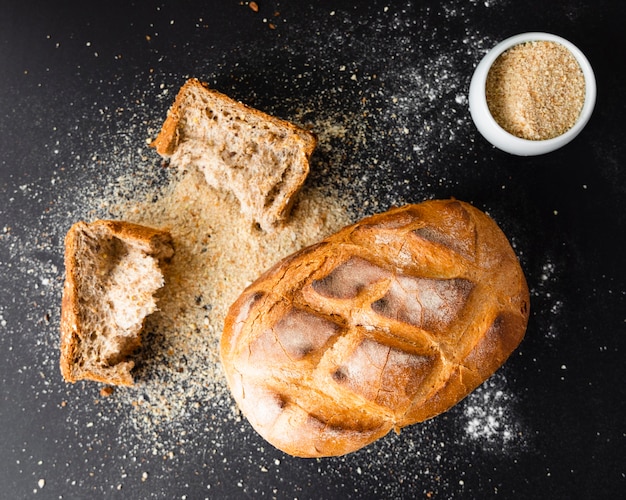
[71,330]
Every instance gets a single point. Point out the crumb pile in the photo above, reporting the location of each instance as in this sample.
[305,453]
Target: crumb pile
[218,253]
[536,90]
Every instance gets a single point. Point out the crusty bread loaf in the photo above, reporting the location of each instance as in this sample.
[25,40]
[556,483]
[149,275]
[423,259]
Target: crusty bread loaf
[387,323]
[261,159]
[112,273]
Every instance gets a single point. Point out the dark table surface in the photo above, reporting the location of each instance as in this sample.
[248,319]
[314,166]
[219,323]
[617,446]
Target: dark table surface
[83,86]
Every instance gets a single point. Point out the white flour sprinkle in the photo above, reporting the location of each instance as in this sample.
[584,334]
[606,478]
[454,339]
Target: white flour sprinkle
[544,295]
[490,418]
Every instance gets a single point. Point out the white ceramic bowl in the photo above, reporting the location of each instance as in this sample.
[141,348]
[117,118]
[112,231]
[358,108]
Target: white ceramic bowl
[506,141]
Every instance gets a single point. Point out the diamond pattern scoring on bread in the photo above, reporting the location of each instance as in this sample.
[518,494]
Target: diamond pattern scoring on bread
[387,323]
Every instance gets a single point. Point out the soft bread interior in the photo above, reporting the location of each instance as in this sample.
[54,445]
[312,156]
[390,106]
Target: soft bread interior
[261,159]
[116,281]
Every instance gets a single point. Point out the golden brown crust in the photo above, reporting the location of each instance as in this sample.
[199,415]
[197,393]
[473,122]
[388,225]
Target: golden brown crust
[386,323]
[155,242]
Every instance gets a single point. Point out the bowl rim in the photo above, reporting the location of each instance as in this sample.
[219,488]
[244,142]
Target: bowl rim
[503,139]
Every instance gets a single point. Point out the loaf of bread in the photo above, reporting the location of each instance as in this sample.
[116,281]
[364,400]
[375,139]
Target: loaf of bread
[386,323]
[261,159]
[112,271]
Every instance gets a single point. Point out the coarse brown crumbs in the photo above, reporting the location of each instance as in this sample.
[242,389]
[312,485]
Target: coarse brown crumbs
[106,391]
[218,253]
[536,90]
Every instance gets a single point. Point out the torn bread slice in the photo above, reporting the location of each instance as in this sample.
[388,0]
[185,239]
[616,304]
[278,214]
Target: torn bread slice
[112,274]
[261,159]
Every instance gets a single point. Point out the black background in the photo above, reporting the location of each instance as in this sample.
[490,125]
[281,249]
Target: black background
[74,75]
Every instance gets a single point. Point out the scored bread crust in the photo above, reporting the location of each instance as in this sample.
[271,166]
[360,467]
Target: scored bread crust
[386,323]
[261,159]
[78,311]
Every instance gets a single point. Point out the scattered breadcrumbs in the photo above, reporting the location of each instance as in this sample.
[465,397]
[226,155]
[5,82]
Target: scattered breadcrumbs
[536,90]
[218,253]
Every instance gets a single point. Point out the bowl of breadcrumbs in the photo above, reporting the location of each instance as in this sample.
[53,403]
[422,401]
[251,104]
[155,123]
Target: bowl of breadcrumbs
[532,94]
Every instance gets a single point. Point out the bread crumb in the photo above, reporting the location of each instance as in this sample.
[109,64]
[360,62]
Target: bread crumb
[107,391]
[536,90]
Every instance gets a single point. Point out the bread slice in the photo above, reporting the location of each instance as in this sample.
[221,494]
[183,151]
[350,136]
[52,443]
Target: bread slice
[112,273]
[261,159]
